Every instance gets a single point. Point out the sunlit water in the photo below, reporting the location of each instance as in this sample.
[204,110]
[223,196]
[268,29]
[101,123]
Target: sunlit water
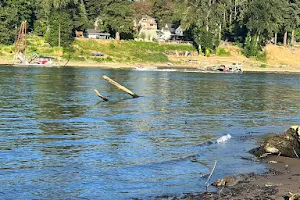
[58,140]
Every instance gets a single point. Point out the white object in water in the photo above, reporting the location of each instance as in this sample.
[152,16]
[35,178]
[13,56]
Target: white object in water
[224,138]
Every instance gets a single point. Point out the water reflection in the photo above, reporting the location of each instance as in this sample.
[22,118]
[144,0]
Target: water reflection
[59,140]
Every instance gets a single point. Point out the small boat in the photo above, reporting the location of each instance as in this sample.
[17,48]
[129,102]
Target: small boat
[234,68]
[35,61]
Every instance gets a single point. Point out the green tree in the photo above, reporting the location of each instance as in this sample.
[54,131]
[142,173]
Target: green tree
[163,11]
[60,18]
[80,18]
[263,19]
[118,16]
[141,9]
[94,8]
[7,25]
[25,10]
[291,20]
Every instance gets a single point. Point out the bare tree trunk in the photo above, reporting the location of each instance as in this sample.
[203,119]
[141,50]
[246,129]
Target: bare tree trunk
[224,17]
[235,9]
[275,39]
[293,38]
[285,38]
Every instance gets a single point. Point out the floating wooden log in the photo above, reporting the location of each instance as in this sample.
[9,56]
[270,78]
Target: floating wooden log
[120,87]
[101,96]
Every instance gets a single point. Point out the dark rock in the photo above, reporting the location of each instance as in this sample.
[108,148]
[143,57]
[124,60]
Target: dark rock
[286,144]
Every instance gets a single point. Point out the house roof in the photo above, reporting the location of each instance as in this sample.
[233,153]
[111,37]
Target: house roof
[94,31]
[148,17]
[172,28]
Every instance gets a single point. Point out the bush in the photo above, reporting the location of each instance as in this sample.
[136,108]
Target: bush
[251,48]
[263,66]
[222,52]
[262,56]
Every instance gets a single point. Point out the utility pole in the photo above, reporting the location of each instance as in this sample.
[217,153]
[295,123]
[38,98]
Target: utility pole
[59,35]
[59,53]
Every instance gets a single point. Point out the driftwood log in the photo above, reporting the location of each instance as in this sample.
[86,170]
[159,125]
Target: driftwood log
[286,144]
[121,87]
[100,95]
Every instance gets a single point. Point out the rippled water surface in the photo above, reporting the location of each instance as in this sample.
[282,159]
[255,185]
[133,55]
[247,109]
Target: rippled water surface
[58,140]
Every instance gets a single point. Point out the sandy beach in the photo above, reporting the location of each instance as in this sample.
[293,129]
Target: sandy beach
[246,67]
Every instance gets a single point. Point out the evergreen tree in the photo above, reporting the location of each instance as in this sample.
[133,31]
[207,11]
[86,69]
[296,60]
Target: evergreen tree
[25,10]
[59,18]
[80,18]
[8,23]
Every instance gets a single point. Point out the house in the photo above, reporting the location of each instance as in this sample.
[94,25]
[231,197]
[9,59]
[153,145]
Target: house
[170,32]
[147,28]
[148,23]
[97,34]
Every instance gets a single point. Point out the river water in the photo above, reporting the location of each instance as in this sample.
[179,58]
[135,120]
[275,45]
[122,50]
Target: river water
[58,140]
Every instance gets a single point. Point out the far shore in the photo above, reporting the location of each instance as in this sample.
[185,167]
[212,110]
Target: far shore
[113,65]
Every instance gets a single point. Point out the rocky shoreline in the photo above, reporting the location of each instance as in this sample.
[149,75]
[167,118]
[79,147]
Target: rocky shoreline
[280,182]
[280,152]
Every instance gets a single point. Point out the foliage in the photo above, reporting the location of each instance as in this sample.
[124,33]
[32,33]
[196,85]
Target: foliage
[118,16]
[59,19]
[163,11]
[25,10]
[80,18]
[250,22]
[263,66]
[222,52]
[262,56]
[126,51]
[7,23]
[251,48]
[40,27]
[205,40]
[141,9]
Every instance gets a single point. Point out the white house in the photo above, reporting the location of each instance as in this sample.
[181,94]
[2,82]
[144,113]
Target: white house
[148,28]
[97,34]
[170,32]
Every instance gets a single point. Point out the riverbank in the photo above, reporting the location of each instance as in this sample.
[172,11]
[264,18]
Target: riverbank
[280,182]
[132,54]
[199,62]
[246,68]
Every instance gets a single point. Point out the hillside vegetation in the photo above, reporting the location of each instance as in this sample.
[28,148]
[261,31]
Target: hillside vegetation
[134,52]
[126,51]
[114,51]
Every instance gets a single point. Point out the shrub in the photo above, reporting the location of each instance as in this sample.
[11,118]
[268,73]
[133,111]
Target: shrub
[251,47]
[222,52]
[262,56]
[263,66]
